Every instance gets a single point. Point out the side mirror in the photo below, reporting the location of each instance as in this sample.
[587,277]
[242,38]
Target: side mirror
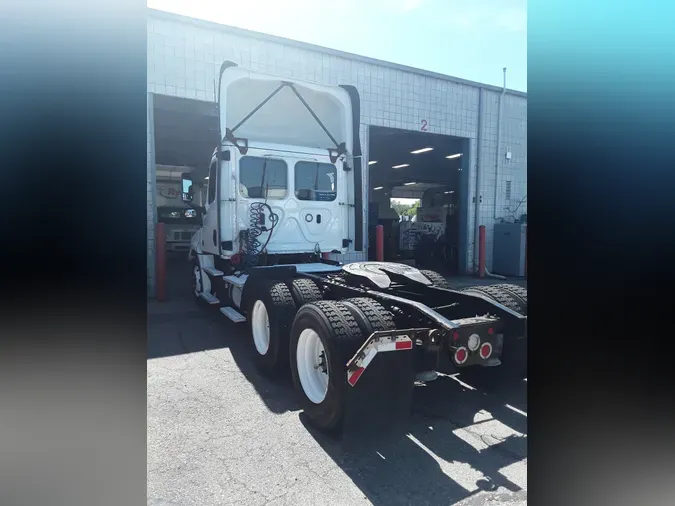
[187,192]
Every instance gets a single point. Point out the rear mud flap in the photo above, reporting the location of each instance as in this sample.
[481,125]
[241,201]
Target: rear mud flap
[379,388]
[514,352]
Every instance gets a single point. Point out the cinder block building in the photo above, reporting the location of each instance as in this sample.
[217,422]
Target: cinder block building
[403,110]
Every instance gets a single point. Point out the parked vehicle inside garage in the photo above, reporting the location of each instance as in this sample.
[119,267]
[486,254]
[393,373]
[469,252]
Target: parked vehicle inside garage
[181,221]
[283,189]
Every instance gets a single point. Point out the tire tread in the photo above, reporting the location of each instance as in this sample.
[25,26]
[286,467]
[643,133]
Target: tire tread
[519,292]
[435,278]
[304,291]
[378,318]
[499,295]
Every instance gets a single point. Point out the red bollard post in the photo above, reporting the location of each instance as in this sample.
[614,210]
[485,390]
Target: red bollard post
[160,258]
[379,243]
[481,251]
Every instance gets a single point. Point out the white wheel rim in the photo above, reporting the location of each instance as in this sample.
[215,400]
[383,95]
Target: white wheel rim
[312,366]
[198,280]
[260,326]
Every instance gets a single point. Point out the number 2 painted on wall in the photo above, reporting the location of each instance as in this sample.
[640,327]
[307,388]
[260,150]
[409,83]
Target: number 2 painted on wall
[424,126]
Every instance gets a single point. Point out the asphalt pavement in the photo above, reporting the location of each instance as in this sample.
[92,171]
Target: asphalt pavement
[219,433]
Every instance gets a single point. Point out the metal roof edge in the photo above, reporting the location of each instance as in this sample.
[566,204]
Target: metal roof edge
[201,23]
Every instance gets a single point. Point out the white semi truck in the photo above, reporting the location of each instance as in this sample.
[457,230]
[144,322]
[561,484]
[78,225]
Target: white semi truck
[181,221]
[284,187]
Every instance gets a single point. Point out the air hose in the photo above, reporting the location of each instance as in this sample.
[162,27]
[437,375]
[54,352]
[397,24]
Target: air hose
[252,248]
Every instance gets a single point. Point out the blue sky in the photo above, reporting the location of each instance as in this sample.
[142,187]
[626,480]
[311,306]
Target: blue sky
[473,39]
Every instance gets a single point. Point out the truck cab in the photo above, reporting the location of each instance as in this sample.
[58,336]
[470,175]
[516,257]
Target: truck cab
[282,182]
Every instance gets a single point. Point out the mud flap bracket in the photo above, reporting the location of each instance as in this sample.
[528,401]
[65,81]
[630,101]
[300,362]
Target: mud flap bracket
[379,387]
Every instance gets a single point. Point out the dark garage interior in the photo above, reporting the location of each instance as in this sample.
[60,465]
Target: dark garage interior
[186,133]
[406,164]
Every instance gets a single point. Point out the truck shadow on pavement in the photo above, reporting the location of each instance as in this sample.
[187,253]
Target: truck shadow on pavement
[193,329]
[460,438]
[459,441]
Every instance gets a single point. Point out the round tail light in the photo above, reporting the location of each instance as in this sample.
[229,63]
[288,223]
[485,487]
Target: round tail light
[485,351]
[461,355]
[474,342]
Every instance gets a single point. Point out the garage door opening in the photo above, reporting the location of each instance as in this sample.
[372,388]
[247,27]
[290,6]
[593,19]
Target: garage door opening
[417,192]
[185,135]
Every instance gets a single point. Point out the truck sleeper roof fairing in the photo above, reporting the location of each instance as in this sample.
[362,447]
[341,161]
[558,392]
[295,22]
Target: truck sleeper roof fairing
[258,107]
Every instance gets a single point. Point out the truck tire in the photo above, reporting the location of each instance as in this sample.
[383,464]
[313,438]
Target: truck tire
[514,361]
[197,286]
[270,314]
[324,337]
[516,291]
[435,278]
[304,291]
[499,295]
[370,315]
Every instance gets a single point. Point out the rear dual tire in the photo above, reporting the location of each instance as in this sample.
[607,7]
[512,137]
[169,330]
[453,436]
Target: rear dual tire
[504,295]
[271,307]
[514,359]
[435,278]
[270,314]
[341,329]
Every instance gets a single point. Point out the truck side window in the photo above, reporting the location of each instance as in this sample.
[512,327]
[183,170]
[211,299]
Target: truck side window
[262,177]
[315,181]
[213,174]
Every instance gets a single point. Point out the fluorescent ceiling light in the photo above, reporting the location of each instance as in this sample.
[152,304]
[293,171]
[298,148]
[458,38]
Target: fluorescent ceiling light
[452,191]
[408,184]
[423,150]
[401,166]
[456,155]
[378,187]
[206,177]
[372,162]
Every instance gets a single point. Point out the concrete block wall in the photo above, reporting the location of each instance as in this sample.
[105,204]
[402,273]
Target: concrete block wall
[151,210]
[184,57]
[495,205]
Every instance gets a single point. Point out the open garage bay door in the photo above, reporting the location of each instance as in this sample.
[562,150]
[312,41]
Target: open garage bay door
[432,169]
[186,133]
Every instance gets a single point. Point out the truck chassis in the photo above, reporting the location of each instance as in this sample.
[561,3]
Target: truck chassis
[354,336]
[335,325]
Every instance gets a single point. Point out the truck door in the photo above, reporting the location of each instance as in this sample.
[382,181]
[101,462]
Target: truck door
[319,192]
[210,227]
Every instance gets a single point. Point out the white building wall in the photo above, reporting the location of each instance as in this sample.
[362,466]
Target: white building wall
[184,57]
[151,208]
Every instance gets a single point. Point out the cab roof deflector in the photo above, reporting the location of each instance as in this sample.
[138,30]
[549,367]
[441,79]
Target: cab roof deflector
[242,143]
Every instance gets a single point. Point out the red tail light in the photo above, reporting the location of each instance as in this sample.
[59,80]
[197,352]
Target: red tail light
[461,355]
[485,351]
